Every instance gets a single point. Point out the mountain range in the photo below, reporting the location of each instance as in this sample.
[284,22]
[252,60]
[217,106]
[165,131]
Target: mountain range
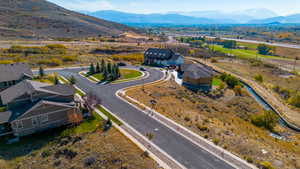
[251,16]
[41,19]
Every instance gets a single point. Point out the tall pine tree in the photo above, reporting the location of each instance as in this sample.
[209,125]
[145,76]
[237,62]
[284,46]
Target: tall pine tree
[41,72]
[103,66]
[109,68]
[92,69]
[98,68]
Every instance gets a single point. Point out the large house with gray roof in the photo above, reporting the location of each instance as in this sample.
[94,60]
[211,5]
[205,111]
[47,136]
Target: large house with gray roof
[197,77]
[30,106]
[11,74]
[162,57]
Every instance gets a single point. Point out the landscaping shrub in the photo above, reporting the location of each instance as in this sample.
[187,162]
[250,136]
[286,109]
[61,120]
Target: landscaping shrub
[259,78]
[267,120]
[230,80]
[295,100]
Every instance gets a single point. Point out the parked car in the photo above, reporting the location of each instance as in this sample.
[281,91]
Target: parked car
[122,64]
[142,69]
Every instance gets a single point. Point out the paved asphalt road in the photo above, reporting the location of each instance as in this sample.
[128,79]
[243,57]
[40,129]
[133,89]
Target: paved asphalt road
[181,149]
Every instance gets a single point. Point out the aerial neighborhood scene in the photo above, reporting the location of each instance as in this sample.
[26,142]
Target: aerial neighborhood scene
[110,84]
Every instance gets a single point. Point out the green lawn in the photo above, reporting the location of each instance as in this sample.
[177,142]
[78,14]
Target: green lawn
[242,53]
[110,116]
[216,82]
[130,74]
[98,76]
[80,92]
[87,126]
[63,80]
[126,74]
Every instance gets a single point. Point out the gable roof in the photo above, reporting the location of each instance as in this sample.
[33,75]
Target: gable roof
[10,72]
[18,113]
[5,116]
[29,87]
[196,71]
[159,53]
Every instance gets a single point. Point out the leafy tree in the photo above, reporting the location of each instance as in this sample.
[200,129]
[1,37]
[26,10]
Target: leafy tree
[259,78]
[267,120]
[92,69]
[41,72]
[230,80]
[230,44]
[264,49]
[238,90]
[98,69]
[72,80]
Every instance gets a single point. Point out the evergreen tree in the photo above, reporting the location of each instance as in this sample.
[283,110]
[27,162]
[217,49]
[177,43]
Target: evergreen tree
[102,66]
[98,68]
[72,80]
[109,68]
[118,73]
[92,69]
[114,72]
[41,72]
[56,81]
[105,74]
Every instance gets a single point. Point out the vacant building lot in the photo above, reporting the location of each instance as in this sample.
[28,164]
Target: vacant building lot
[225,119]
[84,146]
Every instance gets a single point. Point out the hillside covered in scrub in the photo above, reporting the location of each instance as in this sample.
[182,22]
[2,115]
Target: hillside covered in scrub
[40,19]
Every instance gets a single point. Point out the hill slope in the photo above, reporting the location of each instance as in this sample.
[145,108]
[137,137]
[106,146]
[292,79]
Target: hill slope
[281,19]
[41,19]
[126,18]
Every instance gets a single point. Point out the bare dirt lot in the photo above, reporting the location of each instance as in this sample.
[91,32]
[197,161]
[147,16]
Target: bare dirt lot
[226,121]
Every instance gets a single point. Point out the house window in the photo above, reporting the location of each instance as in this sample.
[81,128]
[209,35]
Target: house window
[5,84]
[35,121]
[19,124]
[44,119]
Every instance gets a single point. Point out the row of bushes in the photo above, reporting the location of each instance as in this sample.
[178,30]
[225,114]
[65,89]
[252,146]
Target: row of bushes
[134,57]
[49,49]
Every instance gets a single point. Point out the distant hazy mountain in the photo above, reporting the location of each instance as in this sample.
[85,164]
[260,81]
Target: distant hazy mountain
[237,16]
[295,18]
[127,18]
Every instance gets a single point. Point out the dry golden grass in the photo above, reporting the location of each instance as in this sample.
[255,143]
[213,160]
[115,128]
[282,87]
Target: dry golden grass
[110,150]
[224,121]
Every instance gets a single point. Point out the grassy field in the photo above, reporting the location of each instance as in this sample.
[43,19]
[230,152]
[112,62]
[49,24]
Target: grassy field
[242,53]
[84,146]
[225,121]
[126,75]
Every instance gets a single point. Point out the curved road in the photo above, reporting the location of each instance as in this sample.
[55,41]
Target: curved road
[181,149]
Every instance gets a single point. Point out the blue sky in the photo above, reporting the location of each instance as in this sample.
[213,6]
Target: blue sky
[281,7]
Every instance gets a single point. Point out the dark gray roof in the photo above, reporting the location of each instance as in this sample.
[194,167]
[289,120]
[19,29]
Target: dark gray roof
[158,53]
[5,116]
[10,72]
[28,87]
[196,71]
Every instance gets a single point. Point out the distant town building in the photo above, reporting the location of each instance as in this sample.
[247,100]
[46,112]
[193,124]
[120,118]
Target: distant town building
[11,74]
[197,77]
[162,57]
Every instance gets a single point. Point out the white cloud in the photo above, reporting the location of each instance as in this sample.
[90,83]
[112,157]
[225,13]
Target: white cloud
[86,5]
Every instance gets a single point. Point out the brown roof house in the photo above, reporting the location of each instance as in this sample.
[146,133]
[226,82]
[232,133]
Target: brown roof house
[197,77]
[162,57]
[30,106]
[11,74]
